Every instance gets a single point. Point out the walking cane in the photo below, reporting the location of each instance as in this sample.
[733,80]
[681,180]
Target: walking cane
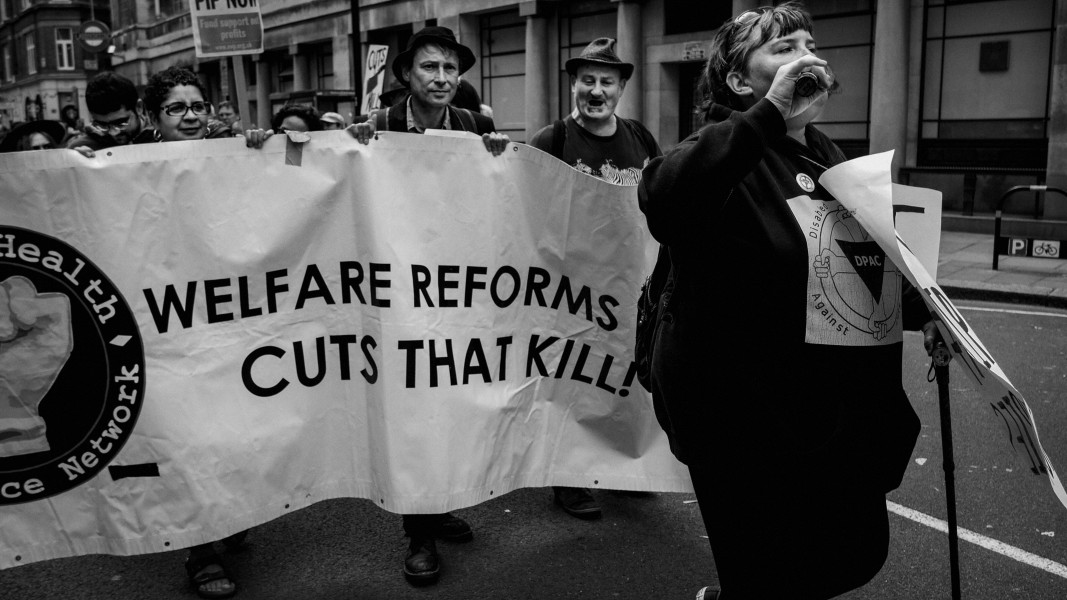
[941,358]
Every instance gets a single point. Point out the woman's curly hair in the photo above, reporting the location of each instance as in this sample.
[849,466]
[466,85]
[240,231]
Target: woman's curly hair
[304,112]
[160,84]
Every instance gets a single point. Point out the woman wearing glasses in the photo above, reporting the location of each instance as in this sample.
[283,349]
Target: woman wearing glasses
[777,363]
[175,102]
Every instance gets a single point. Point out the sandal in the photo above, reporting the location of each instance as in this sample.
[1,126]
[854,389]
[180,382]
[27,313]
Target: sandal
[203,571]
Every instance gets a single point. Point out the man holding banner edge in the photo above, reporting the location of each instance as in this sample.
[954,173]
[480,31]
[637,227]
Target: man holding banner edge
[430,67]
[596,141]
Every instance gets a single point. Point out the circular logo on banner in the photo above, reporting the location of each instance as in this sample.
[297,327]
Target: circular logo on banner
[72,370]
[805,182]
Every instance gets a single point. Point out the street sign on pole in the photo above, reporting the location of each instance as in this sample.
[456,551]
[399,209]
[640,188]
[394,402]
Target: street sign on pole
[93,36]
[229,28]
[226,27]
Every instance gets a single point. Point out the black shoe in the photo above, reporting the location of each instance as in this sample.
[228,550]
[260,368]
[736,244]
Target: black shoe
[577,502]
[707,593]
[422,566]
[454,529]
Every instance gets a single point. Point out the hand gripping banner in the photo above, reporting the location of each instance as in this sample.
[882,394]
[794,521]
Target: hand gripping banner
[196,337]
[864,186]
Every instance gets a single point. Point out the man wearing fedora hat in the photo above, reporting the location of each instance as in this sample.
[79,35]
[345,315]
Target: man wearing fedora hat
[595,141]
[429,68]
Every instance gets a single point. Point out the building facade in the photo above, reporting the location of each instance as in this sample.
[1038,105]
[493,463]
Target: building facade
[42,67]
[971,94]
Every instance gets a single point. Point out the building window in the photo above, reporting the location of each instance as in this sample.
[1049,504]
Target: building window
[281,71]
[9,64]
[981,116]
[845,38]
[126,13]
[64,49]
[168,8]
[323,65]
[685,16]
[30,46]
[503,71]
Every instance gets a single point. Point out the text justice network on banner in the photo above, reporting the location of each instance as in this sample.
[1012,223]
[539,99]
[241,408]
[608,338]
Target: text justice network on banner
[210,337]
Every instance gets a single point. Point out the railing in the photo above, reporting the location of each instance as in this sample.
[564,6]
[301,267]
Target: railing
[170,25]
[970,178]
[1048,229]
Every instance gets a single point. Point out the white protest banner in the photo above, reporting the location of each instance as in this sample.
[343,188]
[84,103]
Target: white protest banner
[374,76]
[226,27]
[200,338]
[864,186]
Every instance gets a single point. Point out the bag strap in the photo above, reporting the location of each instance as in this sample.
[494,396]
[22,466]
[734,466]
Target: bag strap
[662,272]
[381,119]
[559,137]
[466,119]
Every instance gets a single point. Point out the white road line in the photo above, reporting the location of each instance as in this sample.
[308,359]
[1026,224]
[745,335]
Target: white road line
[1014,312]
[967,535]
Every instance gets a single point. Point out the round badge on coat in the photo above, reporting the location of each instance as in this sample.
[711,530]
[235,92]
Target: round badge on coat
[805,182]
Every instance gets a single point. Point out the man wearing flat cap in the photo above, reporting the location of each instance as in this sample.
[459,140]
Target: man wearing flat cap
[430,68]
[596,141]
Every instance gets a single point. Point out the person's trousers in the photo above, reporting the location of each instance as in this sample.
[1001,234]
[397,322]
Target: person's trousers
[775,536]
[423,526]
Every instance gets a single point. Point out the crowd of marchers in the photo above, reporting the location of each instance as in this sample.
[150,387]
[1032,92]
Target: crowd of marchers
[726,205]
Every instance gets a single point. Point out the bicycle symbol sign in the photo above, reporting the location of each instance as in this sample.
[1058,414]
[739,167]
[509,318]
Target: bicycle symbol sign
[1046,248]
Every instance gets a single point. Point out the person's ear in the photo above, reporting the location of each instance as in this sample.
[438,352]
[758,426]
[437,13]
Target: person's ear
[622,85]
[737,84]
[405,75]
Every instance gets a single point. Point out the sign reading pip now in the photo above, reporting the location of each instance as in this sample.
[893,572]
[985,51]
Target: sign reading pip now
[226,27]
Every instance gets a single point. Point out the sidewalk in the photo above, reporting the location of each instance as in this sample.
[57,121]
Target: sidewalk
[965,271]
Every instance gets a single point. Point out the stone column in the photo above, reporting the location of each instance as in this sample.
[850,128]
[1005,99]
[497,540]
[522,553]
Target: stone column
[889,82]
[538,107]
[631,49]
[342,69]
[263,108]
[1056,167]
[301,70]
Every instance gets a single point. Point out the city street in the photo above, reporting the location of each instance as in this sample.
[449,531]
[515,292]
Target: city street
[652,546]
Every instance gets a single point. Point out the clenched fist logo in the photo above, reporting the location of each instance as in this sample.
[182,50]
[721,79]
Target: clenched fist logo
[35,342]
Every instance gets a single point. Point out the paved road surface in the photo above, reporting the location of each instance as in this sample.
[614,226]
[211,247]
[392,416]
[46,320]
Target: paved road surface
[653,546]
